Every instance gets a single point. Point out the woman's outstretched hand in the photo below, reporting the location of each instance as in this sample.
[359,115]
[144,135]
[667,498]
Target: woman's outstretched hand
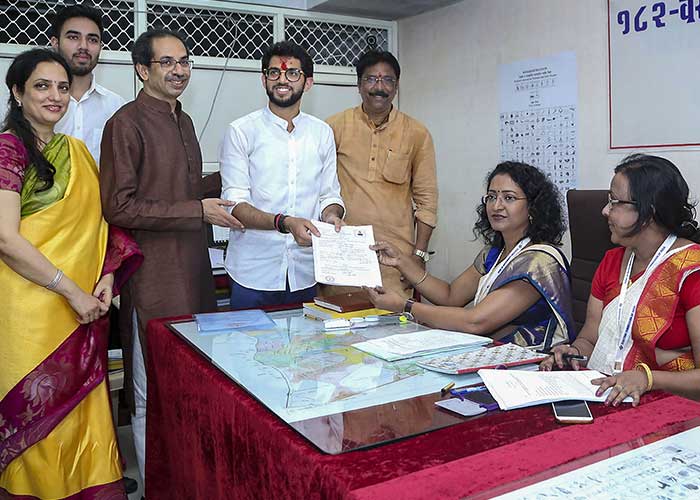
[388,254]
[385,299]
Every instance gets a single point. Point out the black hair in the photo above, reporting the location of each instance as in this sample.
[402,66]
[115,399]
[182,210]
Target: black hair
[17,75]
[660,194]
[289,49]
[543,202]
[73,11]
[372,57]
[142,51]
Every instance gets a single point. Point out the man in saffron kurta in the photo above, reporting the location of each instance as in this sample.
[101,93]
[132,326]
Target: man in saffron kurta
[151,183]
[386,166]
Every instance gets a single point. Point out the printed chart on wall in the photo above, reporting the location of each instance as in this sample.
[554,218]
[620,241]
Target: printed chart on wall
[538,115]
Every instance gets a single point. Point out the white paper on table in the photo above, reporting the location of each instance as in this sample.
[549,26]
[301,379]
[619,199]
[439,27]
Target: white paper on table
[344,258]
[406,345]
[518,389]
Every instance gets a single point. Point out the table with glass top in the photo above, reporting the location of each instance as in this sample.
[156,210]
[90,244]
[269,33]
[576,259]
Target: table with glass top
[333,394]
[235,415]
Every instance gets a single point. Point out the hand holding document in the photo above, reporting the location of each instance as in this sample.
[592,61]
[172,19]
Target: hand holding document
[344,258]
[518,389]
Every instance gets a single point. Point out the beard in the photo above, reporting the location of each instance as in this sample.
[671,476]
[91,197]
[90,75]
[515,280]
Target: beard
[291,100]
[82,69]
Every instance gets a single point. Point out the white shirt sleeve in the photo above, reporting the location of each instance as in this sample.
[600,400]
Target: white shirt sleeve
[233,165]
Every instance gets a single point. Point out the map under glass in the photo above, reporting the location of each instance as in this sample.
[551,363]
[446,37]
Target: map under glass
[299,371]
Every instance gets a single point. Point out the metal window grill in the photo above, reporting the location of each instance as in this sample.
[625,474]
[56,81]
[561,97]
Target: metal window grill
[25,22]
[217,33]
[334,44]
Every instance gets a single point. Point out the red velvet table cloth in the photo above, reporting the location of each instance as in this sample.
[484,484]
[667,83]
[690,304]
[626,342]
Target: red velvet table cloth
[208,439]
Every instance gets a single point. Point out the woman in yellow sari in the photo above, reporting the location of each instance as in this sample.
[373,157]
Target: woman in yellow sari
[59,266]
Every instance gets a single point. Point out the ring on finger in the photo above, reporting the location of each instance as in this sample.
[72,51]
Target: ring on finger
[619,387]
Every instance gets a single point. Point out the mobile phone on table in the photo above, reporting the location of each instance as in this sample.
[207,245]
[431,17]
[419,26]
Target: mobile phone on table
[572,412]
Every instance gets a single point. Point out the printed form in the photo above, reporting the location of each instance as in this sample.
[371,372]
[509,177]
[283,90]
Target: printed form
[344,258]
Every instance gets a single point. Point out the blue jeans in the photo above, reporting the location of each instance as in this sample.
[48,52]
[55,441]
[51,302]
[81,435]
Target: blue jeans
[247,298]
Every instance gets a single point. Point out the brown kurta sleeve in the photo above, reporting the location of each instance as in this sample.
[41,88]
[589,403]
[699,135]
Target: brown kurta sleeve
[121,157]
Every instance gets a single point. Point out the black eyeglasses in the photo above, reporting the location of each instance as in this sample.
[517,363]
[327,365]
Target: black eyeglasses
[372,80]
[615,202]
[291,74]
[169,63]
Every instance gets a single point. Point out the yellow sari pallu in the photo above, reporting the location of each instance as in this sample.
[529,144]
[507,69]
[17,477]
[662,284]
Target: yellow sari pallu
[57,438]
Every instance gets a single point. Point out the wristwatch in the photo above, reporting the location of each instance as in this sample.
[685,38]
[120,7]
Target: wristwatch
[422,254]
[408,305]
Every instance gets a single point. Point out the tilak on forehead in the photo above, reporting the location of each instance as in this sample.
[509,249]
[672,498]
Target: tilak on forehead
[283,65]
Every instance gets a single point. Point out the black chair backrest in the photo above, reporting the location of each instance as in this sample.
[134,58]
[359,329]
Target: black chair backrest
[590,239]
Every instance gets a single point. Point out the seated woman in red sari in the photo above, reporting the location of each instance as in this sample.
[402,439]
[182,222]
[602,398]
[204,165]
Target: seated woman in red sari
[643,321]
[519,282]
[60,264]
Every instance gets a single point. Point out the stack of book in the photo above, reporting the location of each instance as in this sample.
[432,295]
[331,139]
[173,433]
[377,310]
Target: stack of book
[343,306]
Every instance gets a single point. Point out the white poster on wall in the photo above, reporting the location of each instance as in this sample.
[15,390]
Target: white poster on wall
[538,115]
[654,74]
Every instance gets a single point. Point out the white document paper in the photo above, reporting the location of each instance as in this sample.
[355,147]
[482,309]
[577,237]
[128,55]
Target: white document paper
[665,469]
[344,258]
[518,389]
[408,345]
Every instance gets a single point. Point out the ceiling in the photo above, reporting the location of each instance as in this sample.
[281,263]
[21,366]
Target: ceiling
[389,10]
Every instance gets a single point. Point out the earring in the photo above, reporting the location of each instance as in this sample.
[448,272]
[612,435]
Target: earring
[529,218]
[19,103]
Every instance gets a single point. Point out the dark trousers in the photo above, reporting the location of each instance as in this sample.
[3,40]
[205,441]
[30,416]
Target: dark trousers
[247,298]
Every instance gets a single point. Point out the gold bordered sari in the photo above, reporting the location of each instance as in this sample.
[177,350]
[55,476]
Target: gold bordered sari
[57,438]
[656,299]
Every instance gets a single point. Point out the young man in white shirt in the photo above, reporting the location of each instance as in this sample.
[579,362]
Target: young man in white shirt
[279,166]
[77,36]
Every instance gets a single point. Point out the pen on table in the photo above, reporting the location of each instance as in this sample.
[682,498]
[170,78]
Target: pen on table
[577,357]
[447,388]
[466,390]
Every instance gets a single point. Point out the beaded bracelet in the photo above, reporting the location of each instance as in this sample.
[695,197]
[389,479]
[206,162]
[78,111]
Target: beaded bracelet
[279,223]
[650,377]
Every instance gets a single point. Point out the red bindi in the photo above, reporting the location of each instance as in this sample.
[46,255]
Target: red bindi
[283,66]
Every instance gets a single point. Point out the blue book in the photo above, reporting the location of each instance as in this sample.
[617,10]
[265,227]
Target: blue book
[253,319]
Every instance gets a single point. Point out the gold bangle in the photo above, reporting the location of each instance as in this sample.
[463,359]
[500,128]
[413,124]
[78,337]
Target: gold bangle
[650,377]
[421,280]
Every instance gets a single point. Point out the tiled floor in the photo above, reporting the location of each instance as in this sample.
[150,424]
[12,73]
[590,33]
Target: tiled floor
[126,445]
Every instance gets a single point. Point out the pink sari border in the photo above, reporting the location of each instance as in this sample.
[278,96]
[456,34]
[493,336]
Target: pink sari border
[50,391]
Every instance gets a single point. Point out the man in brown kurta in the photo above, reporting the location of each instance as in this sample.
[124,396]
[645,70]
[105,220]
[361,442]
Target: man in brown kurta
[151,183]
[386,167]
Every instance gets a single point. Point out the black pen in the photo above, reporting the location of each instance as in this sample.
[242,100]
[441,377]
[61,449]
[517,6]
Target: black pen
[569,357]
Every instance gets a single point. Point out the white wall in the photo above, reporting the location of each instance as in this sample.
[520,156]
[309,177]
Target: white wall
[449,80]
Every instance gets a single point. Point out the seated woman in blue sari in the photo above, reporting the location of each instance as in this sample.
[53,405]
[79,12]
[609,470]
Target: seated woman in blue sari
[519,283]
